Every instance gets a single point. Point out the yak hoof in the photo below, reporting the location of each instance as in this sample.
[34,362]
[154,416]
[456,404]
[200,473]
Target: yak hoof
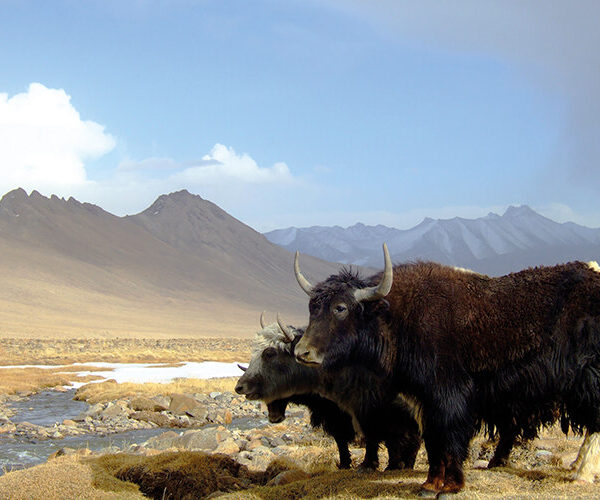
[344,465]
[425,493]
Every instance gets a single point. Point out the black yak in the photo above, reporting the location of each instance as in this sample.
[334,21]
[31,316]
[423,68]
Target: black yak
[275,377]
[463,346]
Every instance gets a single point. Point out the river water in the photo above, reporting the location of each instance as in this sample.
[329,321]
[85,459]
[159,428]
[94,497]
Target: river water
[47,408]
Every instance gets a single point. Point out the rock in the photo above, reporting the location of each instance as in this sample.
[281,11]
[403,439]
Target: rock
[203,439]
[480,464]
[114,411]
[199,412]
[214,395]
[7,428]
[288,476]
[181,404]
[256,460]
[159,419]
[255,443]
[146,404]
[228,447]
[228,417]
[69,423]
[168,439]
[162,400]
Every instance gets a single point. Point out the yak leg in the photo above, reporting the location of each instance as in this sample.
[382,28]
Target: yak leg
[589,458]
[371,460]
[345,460]
[584,446]
[505,445]
[448,429]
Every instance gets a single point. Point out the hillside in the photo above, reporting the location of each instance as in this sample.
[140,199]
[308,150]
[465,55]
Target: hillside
[183,267]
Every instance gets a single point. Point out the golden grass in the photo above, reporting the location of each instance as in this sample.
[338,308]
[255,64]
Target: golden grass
[109,391]
[16,351]
[14,380]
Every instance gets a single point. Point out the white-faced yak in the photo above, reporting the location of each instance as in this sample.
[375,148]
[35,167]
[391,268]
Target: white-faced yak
[465,347]
[274,376]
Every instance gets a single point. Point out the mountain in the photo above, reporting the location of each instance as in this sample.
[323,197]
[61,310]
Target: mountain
[492,244]
[182,267]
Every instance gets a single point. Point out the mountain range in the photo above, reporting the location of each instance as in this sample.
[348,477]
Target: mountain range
[181,267]
[491,245]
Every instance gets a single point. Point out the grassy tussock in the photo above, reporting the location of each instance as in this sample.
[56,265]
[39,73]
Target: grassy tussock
[109,391]
[176,475]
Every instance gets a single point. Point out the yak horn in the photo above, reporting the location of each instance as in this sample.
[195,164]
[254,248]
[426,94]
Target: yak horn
[243,368]
[385,285]
[289,336]
[262,319]
[302,281]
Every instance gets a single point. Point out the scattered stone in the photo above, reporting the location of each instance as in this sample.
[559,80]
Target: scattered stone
[160,419]
[181,404]
[203,439]
[480,464]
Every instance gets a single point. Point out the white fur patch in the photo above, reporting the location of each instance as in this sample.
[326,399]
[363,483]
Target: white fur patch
[589,458]
[270,336]
[593,265]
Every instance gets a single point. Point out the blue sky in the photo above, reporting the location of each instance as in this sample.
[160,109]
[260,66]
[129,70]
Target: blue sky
[304,112]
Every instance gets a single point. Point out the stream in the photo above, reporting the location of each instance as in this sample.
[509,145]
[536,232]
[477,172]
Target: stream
[47,408]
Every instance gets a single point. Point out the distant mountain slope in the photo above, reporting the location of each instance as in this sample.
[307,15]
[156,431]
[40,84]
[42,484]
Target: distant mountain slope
[492,244]
[181,267]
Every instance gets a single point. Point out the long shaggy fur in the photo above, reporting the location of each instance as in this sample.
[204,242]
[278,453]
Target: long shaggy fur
[512,351]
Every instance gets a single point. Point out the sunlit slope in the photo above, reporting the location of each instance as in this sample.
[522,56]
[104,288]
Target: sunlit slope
[72,269]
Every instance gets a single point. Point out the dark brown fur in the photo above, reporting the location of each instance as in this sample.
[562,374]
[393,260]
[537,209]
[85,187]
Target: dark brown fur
[469,347]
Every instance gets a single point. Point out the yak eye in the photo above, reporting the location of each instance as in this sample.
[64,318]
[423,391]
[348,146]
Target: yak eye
[269,352]
[341,311]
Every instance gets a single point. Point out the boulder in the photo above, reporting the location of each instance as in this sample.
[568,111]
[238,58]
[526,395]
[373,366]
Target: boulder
[181,404]
[142,403]
[228,447]
[203,439]
[163,441]
[159,419]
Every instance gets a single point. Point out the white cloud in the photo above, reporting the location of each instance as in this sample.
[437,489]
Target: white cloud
[44,142]
[224,165]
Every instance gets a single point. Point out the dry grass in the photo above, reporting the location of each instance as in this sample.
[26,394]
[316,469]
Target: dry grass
[19,351]
[109,391]
[14,380]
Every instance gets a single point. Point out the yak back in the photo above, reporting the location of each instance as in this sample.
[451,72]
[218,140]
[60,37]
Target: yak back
[482,322]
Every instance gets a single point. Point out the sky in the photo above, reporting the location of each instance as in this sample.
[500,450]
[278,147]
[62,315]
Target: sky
[302,113]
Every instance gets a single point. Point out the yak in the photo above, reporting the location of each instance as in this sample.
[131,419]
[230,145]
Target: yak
[274,376]
[462,346]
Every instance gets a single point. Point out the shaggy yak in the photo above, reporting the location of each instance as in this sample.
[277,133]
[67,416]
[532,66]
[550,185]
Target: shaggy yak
[463,347]
[275,377]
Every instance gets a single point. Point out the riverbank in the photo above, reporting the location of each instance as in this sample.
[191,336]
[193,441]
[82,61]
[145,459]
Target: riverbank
[240,455]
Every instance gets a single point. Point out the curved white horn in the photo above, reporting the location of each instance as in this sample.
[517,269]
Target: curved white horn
[385,285]
[302,281]
[262,319]
[286,331]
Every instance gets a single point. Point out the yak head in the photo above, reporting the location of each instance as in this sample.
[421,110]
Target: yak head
[273,373]
[344,312]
